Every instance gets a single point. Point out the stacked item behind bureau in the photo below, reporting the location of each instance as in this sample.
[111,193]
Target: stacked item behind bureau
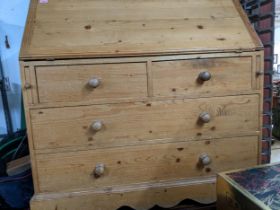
[138,103]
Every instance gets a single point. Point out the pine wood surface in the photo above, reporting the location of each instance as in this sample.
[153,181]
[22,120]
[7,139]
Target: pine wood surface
[170,78]
[166,195]
[116,28]
[148,56]
[156,120]
[65,82]
[52,138]
[70,82]
[132,165]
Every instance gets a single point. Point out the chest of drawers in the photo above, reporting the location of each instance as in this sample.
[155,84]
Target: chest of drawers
[138,103]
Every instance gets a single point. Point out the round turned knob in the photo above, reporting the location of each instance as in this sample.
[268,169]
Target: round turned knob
[97,125]
[204,76]
[99,170]
[94,82]
[27,86]
[204,159]
[205,117]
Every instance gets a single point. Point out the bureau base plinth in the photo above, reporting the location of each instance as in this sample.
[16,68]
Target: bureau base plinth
[139,196]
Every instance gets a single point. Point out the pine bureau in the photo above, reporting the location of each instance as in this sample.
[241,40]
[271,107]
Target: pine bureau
[138,103]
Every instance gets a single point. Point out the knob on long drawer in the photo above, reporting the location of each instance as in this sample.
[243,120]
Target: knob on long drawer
[94,82]
[99,170]
[97,125]
[205,117]
[204,76]
[204,159]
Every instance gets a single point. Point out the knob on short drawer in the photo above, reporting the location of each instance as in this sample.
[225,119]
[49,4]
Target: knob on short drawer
[94,82]
[97,125]
[204,76]
[99,170]
[27,86]
[204,159]
[205,117]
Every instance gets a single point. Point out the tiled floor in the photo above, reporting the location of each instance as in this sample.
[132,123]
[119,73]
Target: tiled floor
[275,152]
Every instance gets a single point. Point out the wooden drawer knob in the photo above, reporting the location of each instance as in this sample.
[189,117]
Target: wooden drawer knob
[205,117]
[99,170]
[27,86]
[97,125]
[204,159]
[94,82]
[204,76]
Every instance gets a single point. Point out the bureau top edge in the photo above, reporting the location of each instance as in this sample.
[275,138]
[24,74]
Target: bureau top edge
[131,55]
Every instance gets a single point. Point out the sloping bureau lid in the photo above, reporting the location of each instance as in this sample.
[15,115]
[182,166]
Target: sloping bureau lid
[59,29]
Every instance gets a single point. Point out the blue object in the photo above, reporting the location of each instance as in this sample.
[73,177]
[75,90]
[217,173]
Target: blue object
[17,190]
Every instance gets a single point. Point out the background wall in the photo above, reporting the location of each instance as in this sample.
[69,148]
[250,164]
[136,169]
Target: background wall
[261,14]
[13,15]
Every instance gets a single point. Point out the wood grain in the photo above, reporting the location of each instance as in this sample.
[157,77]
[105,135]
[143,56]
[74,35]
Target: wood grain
[126,28]
[140,198]
[138,123]
[148,55]
[25,77]
[180,77]
[69,83]
[148,163]
[60,89]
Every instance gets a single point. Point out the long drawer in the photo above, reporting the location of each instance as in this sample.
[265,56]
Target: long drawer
[147,163]
[111,125]
[83,83]
[203,77]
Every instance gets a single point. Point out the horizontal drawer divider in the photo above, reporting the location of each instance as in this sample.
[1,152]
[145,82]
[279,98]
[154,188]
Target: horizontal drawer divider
[148,142]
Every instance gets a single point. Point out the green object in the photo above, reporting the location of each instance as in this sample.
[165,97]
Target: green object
[9,142]
[9,153]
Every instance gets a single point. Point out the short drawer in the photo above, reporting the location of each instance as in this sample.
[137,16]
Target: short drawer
[83,83]
[202,77]
[112,125]
[147,163]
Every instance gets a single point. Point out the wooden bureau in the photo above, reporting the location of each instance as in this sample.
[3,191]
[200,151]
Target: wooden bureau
[138,103]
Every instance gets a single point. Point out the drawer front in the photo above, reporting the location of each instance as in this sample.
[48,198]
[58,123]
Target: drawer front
[82,83]
[147,163]
[202,77]
[123,124]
